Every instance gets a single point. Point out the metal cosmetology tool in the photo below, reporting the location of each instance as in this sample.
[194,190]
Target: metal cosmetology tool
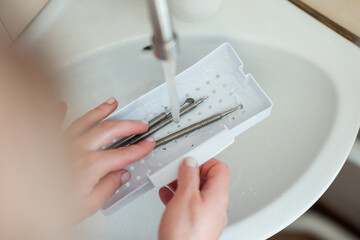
[166,121]
[124,141]
[195,126]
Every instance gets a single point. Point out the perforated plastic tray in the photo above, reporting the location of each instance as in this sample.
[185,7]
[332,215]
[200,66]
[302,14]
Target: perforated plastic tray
[218,76]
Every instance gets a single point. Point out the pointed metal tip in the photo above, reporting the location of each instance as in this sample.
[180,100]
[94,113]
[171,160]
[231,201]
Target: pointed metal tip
[232,110]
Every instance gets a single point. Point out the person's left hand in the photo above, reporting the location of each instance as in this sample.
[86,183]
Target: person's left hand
[99,173]
[196,203]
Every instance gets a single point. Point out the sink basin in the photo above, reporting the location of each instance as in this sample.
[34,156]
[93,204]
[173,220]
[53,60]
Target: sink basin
[280,167]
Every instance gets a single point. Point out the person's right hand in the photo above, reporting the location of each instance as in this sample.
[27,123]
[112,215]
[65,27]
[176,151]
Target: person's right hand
[197,210]
[99,173]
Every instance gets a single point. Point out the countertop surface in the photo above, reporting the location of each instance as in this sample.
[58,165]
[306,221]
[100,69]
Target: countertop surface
[344,12]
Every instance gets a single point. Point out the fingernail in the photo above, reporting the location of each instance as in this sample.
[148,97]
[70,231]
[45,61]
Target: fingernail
[145,122]
[190,162]
[150,139]
[125,177]
[111,100]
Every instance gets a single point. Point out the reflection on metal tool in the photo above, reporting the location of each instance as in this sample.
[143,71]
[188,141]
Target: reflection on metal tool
[195,126]
[166,121]
[125,140]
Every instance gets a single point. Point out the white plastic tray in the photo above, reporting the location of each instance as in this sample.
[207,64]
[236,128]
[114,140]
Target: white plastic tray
[220,77]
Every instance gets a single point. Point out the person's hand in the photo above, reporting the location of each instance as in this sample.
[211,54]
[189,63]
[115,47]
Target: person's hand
[197,210]
[99,173]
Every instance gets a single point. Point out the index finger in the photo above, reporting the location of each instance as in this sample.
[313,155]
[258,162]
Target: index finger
[91,118]
[217,183]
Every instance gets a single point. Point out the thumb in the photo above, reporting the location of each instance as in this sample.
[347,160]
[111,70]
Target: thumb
[188,176]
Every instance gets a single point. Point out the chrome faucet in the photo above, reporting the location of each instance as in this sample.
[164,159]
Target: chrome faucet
[164,39]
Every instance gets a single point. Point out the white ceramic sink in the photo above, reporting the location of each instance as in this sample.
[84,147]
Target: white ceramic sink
[280,167]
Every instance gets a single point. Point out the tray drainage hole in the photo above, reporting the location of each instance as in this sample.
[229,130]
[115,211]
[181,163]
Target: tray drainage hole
[186,136]
[224,85]
[192,145]
[241,106]
[197,89]
[210,107]
[147,48]
[164,149]
[233,118]
[142,161]
[127,184]
[132,168]
[214,91]
[199,113]
[175,141]
[207,82]
[138,178]
[189,119]
[178,126]
[217,75]
[230,94]
[220,100]
[168,132]
[187,95]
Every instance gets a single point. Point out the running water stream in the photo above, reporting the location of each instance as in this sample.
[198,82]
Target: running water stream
[169,68]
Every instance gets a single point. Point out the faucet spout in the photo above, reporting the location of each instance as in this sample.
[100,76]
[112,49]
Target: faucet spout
[164,39]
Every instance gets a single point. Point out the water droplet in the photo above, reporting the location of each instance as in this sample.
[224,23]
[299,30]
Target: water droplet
[127,184]
[132,168]
[138,178]
[142,161]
